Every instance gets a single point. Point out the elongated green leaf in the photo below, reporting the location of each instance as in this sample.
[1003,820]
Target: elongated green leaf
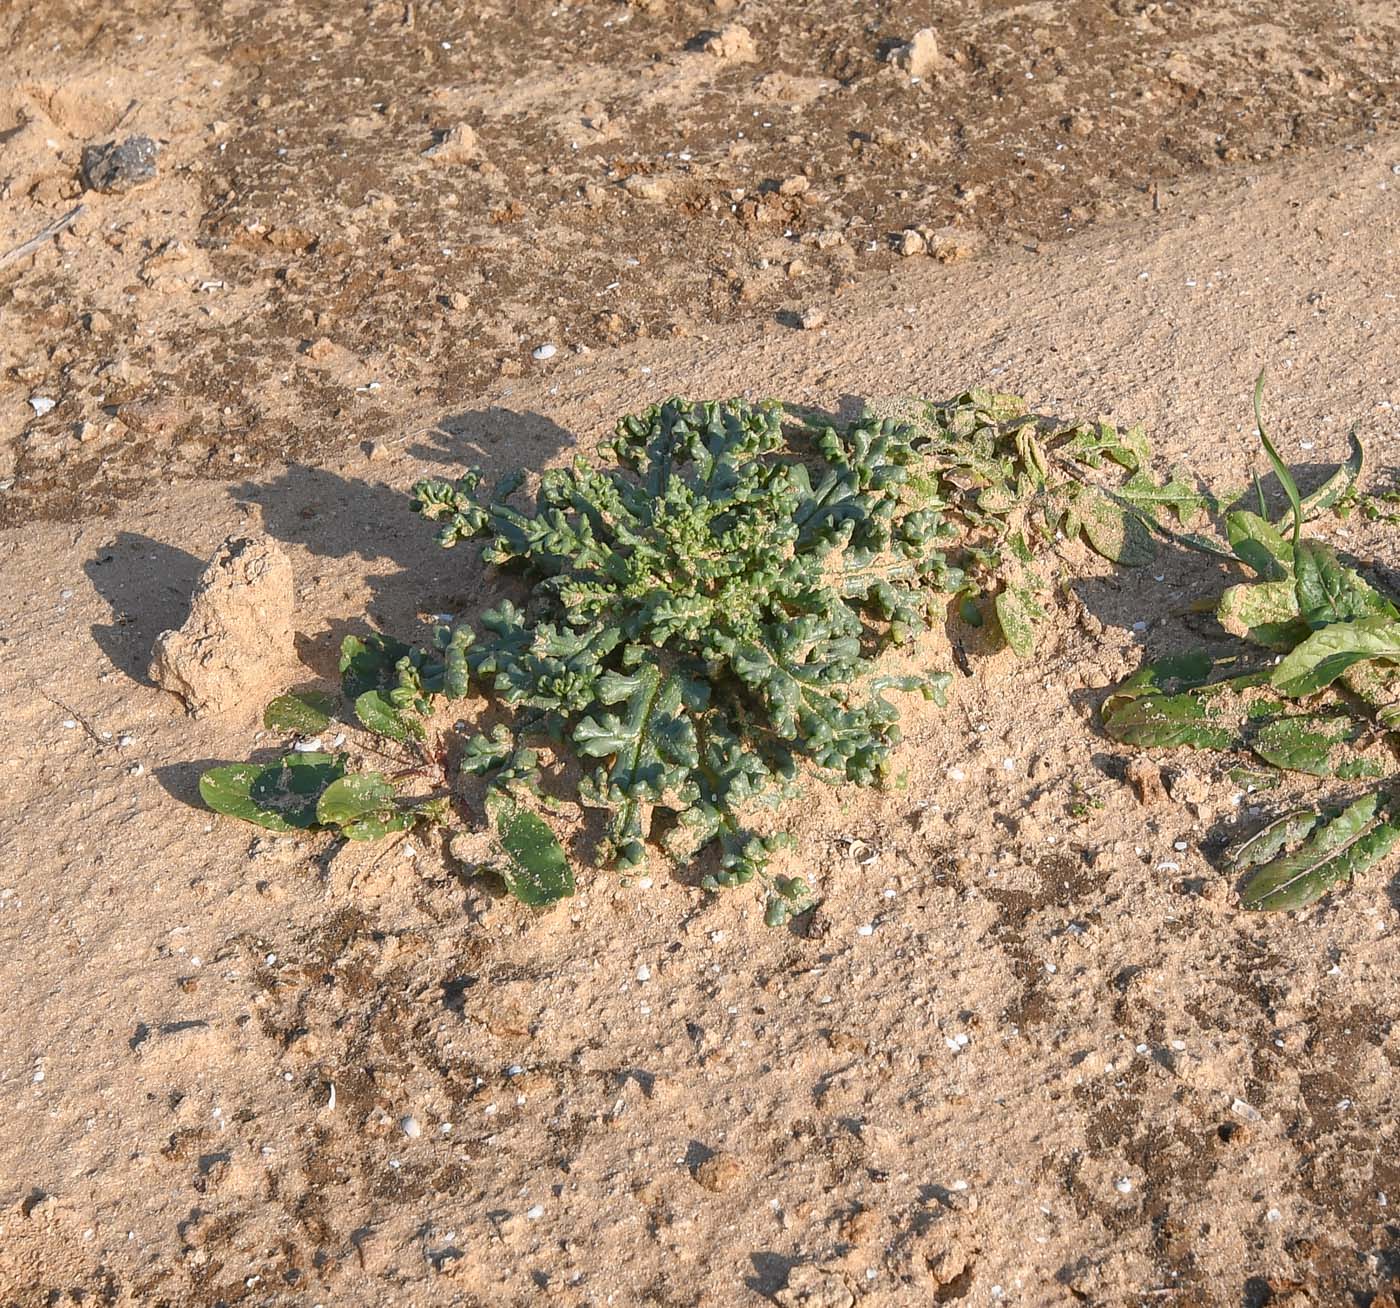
[1336,486]
[1171,675]
[535,869]
[1267,843]
[1328,653]
[1285,477]
[303,711]
[1340,849]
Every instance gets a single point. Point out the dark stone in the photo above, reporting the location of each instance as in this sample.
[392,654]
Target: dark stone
[119,167]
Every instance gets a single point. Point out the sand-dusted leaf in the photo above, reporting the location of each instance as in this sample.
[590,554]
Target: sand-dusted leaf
[1320,659]
[1168,720]
[1267,843]
[353,797]
[534,866]
[1017,611]
[228,790]
[1259,546]
[1311,742]
[1119,534]
[302,711]
[1264,612]
[1150,497]
[1170,675]
[283,793]
[1336,850]
[1330,493]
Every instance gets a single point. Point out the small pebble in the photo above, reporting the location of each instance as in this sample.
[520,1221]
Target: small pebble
[644,973]
[1124,1185]
[41,404]
[865,929]
[411,1127]
[545,351]
[535,1212]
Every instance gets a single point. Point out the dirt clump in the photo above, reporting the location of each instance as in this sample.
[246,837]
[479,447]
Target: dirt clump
[239,632]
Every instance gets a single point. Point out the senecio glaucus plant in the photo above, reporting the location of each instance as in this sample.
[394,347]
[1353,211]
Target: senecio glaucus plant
[703,618]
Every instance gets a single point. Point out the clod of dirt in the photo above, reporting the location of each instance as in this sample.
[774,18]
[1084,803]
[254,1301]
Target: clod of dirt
[809,1286]
[239,631]
[120,167]
[458,145]
[912,243]
[949,244]
[919,56]
[718,1172]
[812,320]
[1145,777]
[733,43]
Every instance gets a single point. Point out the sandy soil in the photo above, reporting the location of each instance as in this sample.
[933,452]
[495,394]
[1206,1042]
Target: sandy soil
[1032,1053]
[309,263]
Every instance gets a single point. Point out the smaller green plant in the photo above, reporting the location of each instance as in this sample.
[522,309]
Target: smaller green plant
[1315,688]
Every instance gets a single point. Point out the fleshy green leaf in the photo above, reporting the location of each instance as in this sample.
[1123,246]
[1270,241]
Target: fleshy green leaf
[280,796]
[369,662]
[228,790]
[362,794]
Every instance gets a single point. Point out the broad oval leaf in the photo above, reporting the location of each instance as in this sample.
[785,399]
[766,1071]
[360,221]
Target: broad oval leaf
[227,790]
[292,787]
[350,798]
[303,711]
[377,713]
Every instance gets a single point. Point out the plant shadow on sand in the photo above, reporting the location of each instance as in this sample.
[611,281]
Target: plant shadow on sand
[356,522]
[147,585]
